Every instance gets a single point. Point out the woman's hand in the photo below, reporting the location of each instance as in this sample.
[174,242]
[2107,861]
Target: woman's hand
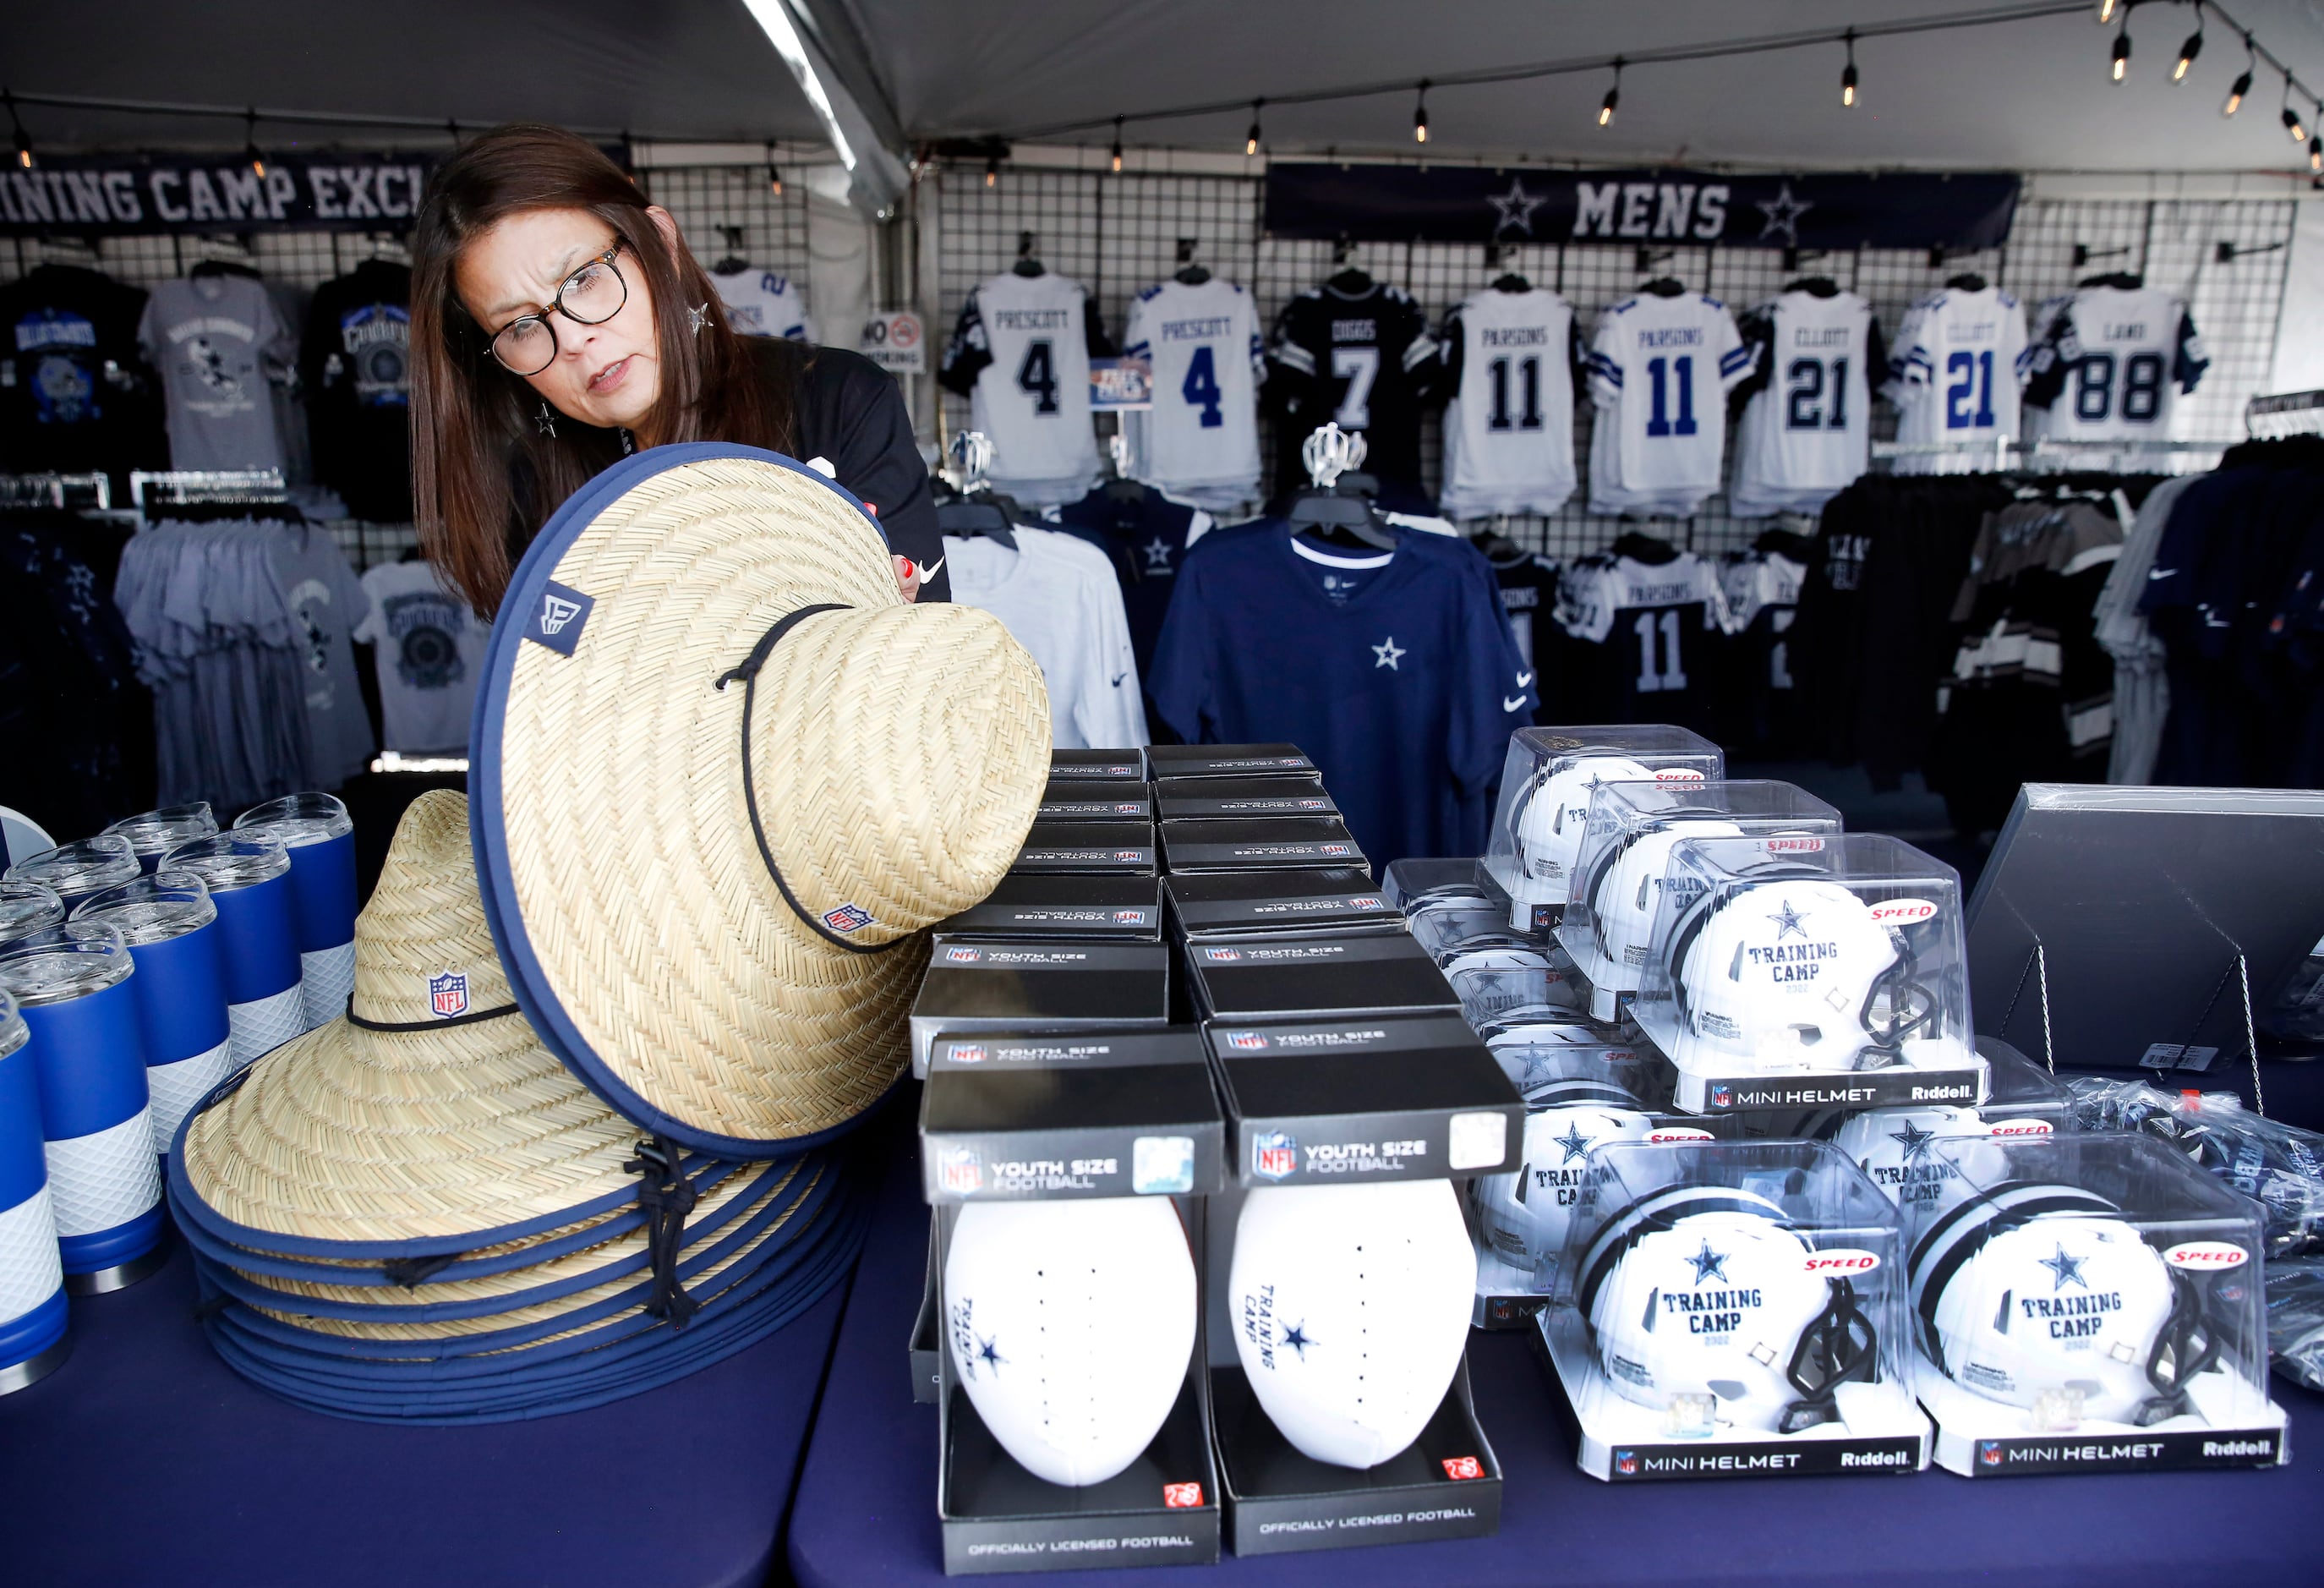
[907,577]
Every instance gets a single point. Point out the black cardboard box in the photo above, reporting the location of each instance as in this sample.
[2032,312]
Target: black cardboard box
[1182,761]
[1033,904]
[1212,798]
[1113,848]
[927,1340]
[1095,799]
[1228,905]
[1292,978]
[1046,986]
[1114,765]
[1259,844]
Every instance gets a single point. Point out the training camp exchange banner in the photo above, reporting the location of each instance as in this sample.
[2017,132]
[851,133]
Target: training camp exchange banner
[165,193]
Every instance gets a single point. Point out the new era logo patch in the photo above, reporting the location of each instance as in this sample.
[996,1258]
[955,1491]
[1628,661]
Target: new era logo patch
[447,994]
[558,617]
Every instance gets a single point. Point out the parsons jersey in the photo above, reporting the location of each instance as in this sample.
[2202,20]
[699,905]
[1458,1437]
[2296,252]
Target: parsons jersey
[761,303]
[1020,353]
[1635,640]
[1660,370]
[1357,359]
[1509,429]
[1200,440]
[1806,432]
[2113,364]
[1954,375]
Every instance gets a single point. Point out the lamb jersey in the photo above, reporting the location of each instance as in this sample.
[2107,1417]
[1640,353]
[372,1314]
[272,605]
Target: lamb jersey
[1200,440]
[1361,360]
[1660,369]
[1020,353]
[2114,364]
[1635,639]
[1509,429]
[1954,375]
[761,303]
[1806,432]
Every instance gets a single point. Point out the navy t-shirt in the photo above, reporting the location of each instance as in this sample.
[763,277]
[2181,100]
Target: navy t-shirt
[1145,539]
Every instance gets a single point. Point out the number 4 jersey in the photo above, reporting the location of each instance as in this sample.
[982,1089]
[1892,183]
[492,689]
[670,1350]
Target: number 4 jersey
[1510,359]
[1806,432]
[1200,442]
[1954,375]
[1020,353]
[1660,370]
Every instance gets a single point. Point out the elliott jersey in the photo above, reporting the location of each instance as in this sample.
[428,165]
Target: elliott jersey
[1020,353]
[1635,640]
[1361,360]
[1660,369]
[1806,432]
[1954,375]
[761,303]
[1508,362]
[1200,440]
[2114,364]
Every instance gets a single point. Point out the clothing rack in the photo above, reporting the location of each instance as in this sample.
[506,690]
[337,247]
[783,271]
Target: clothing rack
[183,488]
[2007,456]
[2285,413]
[57,491]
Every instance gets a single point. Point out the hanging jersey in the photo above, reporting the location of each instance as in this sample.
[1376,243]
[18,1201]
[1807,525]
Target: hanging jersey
[1146,539]
[1761,712]
[1020,353]
[1634,639]
[2114,364]
[1954,375]
[1528,583]
[1660,370]
[1361,360]
[761,303]
[1200,440]
[1806,432]
[1509,429]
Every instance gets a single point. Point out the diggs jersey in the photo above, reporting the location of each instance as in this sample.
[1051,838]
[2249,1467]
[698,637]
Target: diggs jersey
[1509,429]
[1954,375]
[2112,363]
[1807,429]
[1660,370]
[1020,353]
[1635,640]
[1360,360]
[1200,439]
[761,303]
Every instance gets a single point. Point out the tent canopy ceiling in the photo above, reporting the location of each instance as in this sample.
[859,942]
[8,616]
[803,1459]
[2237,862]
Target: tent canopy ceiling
[2025,94]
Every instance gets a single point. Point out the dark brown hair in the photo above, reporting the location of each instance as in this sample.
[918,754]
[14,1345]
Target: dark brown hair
[485,476]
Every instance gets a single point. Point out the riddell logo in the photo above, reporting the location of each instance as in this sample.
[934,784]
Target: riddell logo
[1182,1496]
[1460,1468]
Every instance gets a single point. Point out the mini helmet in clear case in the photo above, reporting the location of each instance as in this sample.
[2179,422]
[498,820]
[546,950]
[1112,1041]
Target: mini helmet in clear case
[1524,1213]
[1624,891]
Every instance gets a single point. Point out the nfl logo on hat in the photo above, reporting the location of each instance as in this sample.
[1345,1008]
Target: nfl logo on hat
[1273,1155]
[847,918]
[961,1171]
[447,994]
[1989,1453]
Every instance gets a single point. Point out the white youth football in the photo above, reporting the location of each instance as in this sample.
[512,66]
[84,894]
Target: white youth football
[1351,1308]
[1070,1323]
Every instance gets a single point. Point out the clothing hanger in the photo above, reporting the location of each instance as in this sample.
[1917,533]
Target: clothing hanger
[1816,286]
[1640,547]
[733,263]
[1190,273]
[1498,549]
[1348,281]
[2127,281]
[1026,265]
[976,510]
[1329,512]
[1968,280]
[1508,280]
[1664,287]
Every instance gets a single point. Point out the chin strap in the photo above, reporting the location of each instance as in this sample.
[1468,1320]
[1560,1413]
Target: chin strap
[1838,1348]
[2186,1345]
[667,1197]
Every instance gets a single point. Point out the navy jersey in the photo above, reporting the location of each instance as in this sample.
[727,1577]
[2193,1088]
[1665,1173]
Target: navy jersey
[1362,360]
[1146,537]
[1636,642]
[1394,671]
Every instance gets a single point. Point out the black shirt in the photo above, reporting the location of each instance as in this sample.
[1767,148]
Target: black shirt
[356,362]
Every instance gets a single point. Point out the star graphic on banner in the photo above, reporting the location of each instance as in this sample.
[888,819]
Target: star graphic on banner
[1709,1264]
[1913,1138]
[1787,922]
[1157,555]
[1388,650]
[1295,1336]
[1783,212]
[2064,1267]
[1575,1143]
[1516,206]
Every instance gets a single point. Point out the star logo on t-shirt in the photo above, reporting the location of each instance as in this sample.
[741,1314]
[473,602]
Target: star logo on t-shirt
[1783,212]
[1388,650]
[1516,206]
[1157,555]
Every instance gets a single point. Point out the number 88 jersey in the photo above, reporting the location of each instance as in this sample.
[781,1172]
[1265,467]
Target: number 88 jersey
[1200,442]
[2113,364]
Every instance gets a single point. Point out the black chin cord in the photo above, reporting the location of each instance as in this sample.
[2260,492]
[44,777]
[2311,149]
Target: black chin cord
[667,1197]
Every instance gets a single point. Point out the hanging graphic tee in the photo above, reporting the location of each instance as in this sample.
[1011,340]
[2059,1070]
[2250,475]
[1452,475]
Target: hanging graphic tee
[1200,440]
[326,605]
[1636,641]
[356,361]
[2114,364]
[761,303]
[1508,362]
[1057,596]
[1020,353]
[1660,369]
[1360,357]
[75,394]
[213,338]
[1806,431]
[1954,375]
[430,652]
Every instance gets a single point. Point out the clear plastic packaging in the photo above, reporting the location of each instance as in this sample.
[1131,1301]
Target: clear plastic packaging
[1891,1145]
[1500,985]
[231,860]
[74,871]
[1545,800]
[1785,978]
[1415,880]
[2278,1166]
[1619,873]
[296,820]
[155,833]
[63,963]
[1449,927]
[167,904]
[26,908]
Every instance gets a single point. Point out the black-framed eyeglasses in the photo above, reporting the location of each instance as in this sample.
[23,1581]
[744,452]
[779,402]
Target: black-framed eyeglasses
[590,296]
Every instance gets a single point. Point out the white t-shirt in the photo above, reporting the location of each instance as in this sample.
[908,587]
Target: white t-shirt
[1954,375]
[761,303]
[1059,597]
[1200,442]
[1509,428]
[1660,370]
[1807,433]
[430,653]
[1023,342]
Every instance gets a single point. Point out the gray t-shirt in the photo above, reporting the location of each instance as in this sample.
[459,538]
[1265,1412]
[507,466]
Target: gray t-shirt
[326,604]
[213,338]
[431,651]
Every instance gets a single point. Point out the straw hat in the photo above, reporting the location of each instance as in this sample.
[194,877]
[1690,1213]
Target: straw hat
[722,776]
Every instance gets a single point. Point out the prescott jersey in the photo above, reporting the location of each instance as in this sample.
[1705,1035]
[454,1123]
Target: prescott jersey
[1806,432]
[761,303]
[1360,359]
[1200,440]
[1509,428]
[1020,353]
[1392,671]
[1660,370]
[2113,364]
[1634,639]
[1954,375]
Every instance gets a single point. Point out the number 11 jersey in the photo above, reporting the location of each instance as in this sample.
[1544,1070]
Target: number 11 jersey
[1509,429]
[1660,370]
[1636,641]
[1020,353]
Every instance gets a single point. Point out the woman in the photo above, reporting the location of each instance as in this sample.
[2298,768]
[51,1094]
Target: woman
[558,322]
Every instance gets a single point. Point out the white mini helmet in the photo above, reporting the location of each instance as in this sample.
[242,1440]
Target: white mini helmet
[1892,1147]
[1624,892]
[1793,974]
[1703,1290]
[1552,814]
[1524,1214]
[2029,1289]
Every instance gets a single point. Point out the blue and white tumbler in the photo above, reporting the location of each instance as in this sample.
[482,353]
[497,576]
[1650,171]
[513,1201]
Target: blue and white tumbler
[172,928]
[320,837]
[32,1279]
[26,908]
[249,879]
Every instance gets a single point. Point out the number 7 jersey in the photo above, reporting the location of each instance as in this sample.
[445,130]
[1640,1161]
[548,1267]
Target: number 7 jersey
[1660,369]
[1954,374]
[1020,353]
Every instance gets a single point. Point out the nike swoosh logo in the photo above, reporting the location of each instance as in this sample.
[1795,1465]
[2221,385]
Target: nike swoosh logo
[1512,703]
[1117,679]
[2161,573]
[929,572]
[1523,680]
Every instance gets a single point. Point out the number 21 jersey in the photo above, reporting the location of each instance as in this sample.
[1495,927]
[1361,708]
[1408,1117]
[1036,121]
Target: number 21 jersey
[1807,431]
[1200,442]
[1660,370]
[1954,375]
[1020,353]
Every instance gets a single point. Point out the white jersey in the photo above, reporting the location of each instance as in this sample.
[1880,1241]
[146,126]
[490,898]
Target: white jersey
[1954,374]
[1660,370]
[1806,431]
[1200,442]
[1509,427]
[2114,364]
[1020,353]
[761,303]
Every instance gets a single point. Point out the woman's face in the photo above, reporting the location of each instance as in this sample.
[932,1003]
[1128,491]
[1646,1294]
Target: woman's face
[605,375]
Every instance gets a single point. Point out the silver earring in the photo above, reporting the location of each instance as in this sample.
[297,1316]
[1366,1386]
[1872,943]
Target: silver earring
[545,421]
[699,315]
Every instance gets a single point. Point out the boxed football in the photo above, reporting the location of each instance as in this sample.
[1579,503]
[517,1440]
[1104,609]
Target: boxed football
[1619,873]
[1095,799]
[1117,766]
[1124,908]
[1209,798]
[1545,801]
[2088,1301]
[1783,978]
[1109,848]
[1260,844]
[1286,978]
[1182,762]
[1206,905]
[1050,986]
[1731,1309]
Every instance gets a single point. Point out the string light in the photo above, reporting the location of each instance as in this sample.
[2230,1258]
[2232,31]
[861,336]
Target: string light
[1250,138]
[1848,77]
[2242,84]
[993,172]
[250,147]
[24,141]
[2316,154]
[2106,12]
[1117,143]
[2122,48]
[2292,117]
[1613,97]
[2189,49]
[1420,115]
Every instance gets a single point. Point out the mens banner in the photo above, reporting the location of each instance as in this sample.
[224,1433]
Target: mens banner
[1460,204]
